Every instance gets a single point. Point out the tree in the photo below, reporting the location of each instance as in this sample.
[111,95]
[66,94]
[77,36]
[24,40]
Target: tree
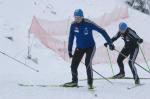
[141,5]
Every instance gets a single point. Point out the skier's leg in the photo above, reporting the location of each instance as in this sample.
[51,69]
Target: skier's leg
[88,62]
[133,56]
[120,59]
[78,54]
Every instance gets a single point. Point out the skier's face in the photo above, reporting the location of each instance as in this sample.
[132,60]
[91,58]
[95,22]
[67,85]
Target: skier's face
[123,31]
[78,19]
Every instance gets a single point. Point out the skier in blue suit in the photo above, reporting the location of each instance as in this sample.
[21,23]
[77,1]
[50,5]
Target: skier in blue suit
[82,29]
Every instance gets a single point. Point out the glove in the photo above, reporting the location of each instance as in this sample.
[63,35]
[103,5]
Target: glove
[105,44]
[111,47]
[140,41]
[70,54]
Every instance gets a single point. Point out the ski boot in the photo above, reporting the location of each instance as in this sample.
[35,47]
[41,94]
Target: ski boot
[119,76]
[137,81]
[90,86]
[71,84]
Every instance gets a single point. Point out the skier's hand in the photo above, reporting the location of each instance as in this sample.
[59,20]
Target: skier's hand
[140,41]
[70,54]
[105,44]
[111,47]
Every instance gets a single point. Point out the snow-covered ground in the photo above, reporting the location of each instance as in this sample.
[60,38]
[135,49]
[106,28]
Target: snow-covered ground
[15,20]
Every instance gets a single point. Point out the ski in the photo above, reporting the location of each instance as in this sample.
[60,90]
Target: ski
[134,86]
[45,85]
[114,78]
[53,86]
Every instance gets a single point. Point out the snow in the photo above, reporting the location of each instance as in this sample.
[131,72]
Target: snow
[15,20]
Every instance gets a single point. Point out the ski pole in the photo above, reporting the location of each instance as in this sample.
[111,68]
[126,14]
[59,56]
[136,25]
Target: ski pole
[132,61]
[144,57]
[19,62]
[110,61]
[100,74]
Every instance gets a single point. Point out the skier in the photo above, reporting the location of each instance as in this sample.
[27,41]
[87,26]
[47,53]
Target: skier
[131,48]
[82,29]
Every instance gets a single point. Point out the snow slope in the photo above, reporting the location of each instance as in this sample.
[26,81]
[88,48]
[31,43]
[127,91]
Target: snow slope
[15,19]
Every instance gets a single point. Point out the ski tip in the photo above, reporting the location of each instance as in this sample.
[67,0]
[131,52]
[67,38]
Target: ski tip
[134,86]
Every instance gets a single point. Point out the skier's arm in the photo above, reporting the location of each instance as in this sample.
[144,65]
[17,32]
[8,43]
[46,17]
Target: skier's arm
[71,39]
[103,32]
[134,35]
[114,38]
